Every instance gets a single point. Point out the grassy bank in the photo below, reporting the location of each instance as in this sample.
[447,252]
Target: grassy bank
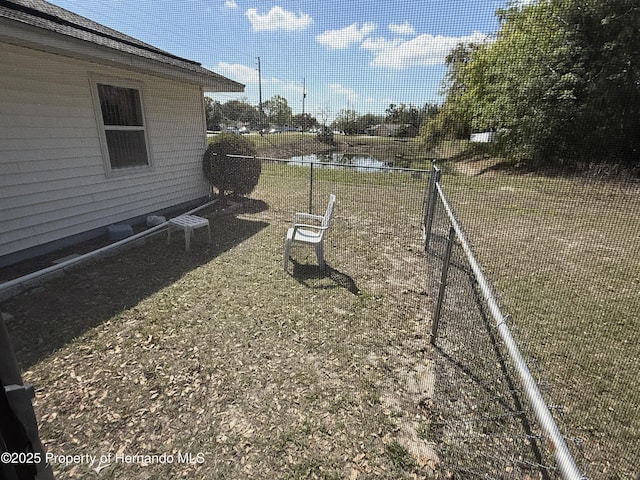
[405,153]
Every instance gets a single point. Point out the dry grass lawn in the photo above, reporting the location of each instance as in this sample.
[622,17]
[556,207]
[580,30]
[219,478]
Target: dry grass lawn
[232,368]
[220,354]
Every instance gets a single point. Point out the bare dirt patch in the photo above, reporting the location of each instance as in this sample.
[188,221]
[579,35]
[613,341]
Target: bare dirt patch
[479,165]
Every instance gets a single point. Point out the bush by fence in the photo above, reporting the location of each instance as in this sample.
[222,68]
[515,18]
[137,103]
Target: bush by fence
[230,166]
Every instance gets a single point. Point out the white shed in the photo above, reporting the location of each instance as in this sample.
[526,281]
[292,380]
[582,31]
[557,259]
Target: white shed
[483,137]
[96,128]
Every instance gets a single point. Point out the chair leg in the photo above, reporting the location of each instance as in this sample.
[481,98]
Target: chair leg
[287,253]
[320,255]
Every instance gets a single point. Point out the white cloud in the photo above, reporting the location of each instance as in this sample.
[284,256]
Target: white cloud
[230,4]
[405,29]
[419,51]
[344,37]
[278,19]
[347,92]
[238,72]
[380,44]
[249,75]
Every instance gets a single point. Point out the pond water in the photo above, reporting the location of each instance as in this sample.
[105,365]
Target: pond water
[362,163]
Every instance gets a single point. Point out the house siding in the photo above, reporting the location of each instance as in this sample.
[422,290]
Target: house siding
[53,180]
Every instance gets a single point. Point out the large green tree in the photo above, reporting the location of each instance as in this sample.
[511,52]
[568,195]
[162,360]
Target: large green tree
[240,111]
[213,113]
[304,121]
[346,121]
[602,67]
[561,81]
[277,110]
[507,84]
[231,112]
[453,119]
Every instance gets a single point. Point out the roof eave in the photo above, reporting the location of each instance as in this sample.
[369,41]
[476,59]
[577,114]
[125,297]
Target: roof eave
[24,35]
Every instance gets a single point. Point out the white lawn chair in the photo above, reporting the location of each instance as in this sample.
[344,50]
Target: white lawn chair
[304,231]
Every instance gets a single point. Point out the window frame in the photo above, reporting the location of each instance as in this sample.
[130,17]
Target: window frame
[112,171]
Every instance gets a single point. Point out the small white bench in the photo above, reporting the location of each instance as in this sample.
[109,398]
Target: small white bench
[187,223]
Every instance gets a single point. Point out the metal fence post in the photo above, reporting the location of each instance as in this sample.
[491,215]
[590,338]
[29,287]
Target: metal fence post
[311,188]
[431,201]
[443,286]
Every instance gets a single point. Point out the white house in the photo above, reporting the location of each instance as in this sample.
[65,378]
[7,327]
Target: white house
[96,128]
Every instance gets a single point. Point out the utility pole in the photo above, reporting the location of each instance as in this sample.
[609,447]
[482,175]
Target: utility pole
[260,92]
[304,95]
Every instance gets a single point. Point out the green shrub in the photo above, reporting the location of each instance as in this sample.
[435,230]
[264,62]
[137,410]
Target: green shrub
[231,175]
[325,135]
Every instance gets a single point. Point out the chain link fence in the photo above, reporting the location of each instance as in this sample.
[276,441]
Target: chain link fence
[481,419]
[375,205]
[488,408]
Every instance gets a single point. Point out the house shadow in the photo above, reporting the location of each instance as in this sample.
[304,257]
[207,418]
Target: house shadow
[48,317]
[310,275]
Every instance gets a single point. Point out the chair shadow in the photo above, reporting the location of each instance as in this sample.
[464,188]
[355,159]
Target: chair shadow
[307,273]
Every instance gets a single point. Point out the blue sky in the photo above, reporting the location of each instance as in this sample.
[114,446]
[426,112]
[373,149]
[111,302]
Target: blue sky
[362,55]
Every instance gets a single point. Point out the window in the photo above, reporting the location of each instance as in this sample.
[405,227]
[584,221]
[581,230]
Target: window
[124,127]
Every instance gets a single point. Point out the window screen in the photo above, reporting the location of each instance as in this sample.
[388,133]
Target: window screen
[124,126]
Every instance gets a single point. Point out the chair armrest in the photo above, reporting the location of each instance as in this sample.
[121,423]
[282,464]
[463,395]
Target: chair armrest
[302,217]
[304,225]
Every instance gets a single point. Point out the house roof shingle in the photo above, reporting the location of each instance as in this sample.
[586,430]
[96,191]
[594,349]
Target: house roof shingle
[46,16]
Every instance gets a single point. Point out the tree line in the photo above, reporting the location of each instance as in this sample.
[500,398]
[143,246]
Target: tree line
[277,112]
[409,117]
[559,83]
